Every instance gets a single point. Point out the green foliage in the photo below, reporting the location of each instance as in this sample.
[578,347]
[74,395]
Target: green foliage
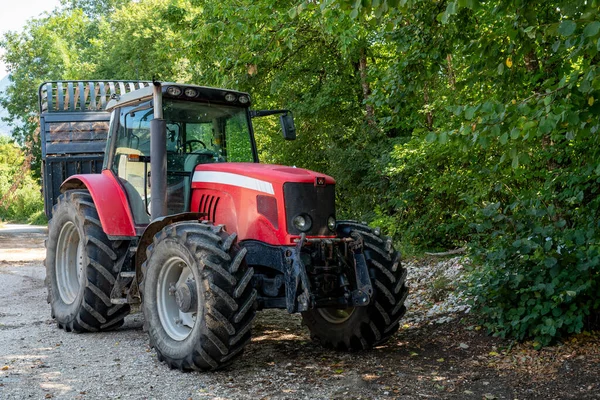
[20,195]
[540,275]
[430,190]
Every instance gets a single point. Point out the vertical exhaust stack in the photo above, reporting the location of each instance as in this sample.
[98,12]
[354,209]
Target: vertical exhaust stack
[158,158]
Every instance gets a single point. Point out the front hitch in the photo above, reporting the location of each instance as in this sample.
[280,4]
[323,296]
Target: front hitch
[298,293]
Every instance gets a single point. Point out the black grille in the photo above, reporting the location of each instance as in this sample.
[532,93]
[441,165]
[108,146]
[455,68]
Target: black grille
[306,198]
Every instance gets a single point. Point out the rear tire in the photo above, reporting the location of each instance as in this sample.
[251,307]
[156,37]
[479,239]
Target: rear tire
[209,328]
[361,328]
[80,266]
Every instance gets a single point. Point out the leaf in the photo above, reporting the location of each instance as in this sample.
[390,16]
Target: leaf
[528,125]
[500,69]
[504,138]
[443,138]
[550,262]
[591,29]
[469,112]
[509,62]
[515,161]
[431,137]
[530,31]
[450,10]
[514,133]
[567,27]
[556,46]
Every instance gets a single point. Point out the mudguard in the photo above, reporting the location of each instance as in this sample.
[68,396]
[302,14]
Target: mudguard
[110,200]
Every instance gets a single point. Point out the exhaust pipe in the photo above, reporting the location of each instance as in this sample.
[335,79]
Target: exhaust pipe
[158,158]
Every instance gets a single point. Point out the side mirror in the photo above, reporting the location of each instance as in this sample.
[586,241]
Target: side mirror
[287,126]
[286,120]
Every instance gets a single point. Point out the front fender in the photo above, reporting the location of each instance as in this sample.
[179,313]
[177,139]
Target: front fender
[110,200]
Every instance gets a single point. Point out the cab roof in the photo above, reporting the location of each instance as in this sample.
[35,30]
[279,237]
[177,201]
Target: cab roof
[182,91]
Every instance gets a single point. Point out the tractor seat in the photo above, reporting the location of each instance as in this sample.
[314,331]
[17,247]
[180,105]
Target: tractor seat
[193,159]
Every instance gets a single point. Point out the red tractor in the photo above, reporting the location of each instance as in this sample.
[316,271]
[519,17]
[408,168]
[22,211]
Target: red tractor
[155,196]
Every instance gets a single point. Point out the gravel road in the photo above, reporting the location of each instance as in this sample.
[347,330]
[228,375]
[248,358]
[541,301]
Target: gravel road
[439,352]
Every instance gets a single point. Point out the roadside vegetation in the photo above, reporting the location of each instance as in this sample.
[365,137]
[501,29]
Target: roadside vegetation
[20,193]
[450,123]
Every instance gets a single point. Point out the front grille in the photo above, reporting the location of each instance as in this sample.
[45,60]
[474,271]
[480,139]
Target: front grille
[306,198]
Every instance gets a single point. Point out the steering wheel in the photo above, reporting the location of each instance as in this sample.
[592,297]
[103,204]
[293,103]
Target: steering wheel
[190,142]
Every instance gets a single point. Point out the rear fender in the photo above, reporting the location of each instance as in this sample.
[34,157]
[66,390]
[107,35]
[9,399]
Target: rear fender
[110,201]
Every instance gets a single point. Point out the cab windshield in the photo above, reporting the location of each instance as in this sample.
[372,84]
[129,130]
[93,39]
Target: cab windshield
[197,133]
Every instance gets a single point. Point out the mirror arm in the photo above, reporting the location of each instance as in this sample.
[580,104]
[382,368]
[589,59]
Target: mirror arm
[265,113]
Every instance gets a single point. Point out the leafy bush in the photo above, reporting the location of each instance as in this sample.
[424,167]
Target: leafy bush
[20,195]
[539,275]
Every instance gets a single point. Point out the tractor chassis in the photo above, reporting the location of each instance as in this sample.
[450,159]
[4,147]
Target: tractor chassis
[294,280]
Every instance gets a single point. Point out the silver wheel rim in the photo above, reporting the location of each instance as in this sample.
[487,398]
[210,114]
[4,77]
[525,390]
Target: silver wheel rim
[176,323]
[336,315]
[69,263]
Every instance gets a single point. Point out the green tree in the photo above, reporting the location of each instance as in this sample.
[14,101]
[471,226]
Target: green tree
[49,48]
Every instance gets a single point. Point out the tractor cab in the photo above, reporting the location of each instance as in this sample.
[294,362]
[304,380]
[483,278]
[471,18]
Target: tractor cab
[201,126]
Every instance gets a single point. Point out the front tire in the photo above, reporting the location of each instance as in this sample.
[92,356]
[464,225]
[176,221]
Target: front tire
[198,299]
[361,328]
[80,262]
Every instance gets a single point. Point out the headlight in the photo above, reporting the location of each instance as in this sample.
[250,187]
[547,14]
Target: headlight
[230,97]
[302,222]
[244,99]
[174,90]
[331,223]
[189,92]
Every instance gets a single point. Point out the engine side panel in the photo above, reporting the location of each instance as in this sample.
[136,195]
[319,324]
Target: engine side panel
[236,208]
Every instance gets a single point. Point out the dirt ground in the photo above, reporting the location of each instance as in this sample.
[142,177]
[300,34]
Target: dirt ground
[428,359]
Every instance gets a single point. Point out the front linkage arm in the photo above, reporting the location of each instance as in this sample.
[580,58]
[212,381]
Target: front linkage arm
[295,273]
[364,290]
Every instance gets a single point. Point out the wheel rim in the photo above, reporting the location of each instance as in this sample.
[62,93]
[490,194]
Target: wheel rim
[176,323]
[336,315]
[69,263]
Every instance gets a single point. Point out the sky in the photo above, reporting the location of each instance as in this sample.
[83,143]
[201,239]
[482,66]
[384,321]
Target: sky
[15,13]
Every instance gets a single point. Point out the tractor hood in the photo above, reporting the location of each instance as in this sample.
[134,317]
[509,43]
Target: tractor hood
[261,201]
[268,173]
